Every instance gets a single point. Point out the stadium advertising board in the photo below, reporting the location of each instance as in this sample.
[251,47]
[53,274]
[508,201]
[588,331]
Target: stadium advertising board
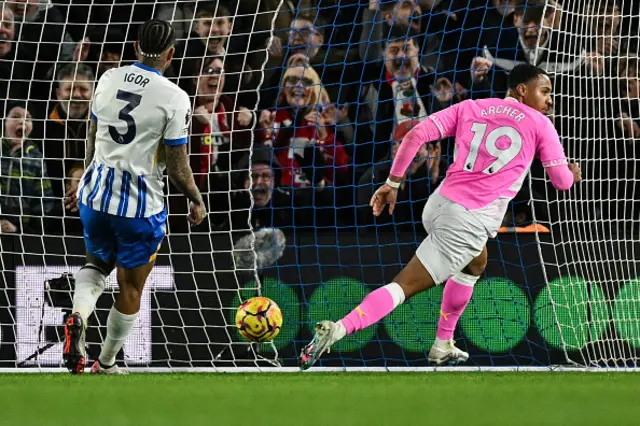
[189,304]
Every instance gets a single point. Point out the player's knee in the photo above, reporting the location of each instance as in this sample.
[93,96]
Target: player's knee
[93,276]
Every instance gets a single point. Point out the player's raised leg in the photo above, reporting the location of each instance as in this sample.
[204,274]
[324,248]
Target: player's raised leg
[457,294]
[413,279]
[456,239]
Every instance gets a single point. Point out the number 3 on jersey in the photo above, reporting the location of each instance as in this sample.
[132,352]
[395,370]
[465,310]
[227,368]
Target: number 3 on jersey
[502,157]
[133,101]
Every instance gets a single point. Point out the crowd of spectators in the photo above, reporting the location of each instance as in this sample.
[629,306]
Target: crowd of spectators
[299,105]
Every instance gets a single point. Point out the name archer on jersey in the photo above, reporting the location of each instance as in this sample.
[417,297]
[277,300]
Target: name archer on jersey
[138,79]
[504,110]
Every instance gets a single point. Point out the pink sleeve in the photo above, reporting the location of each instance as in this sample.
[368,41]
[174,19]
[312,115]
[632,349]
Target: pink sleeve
[551,154]
[561,177]
[447,119]
[440,125]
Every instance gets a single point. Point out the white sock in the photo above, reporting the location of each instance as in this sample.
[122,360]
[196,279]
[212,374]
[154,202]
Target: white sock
[442,344]
[119,326]
[397,293]
[90,283]
[340,332]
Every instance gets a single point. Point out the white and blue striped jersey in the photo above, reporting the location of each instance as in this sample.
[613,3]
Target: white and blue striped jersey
[138,111]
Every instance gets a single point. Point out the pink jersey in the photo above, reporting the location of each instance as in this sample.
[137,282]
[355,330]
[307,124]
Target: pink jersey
[496,142]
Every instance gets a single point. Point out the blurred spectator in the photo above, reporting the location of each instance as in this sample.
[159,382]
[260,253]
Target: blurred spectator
[26,192]
[14,74]
[434,22]
[65,130]
[421,179]
[603,21]
[212,28]
[181,15]
[336,115]
[628,121]
[41,42]
[40,29]
[378,18]
[216,126]
[300,44]
[305,146]
[336,65]
[405,91]
[479,23]
[530,41]
[220,137]
[104,49]
[272,206]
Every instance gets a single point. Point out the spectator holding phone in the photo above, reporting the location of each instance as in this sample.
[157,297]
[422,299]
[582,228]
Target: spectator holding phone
[306,148]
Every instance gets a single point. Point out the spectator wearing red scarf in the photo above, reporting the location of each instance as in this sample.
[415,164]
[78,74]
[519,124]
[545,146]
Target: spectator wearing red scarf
[218,130]
[220,137]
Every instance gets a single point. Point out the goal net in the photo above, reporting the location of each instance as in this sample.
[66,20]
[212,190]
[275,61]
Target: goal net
[298,108]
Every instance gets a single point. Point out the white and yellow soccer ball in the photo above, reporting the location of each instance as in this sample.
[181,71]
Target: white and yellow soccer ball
[259,319]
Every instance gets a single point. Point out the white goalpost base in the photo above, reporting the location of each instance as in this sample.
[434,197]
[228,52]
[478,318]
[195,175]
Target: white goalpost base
[289,370]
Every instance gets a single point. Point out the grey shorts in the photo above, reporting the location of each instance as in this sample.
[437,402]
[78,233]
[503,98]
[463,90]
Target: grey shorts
[456,237]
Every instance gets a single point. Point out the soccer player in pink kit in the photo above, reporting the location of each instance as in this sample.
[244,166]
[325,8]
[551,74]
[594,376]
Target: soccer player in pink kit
[496,142]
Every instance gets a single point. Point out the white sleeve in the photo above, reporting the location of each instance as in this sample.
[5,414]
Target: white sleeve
[94,107]
[179,118]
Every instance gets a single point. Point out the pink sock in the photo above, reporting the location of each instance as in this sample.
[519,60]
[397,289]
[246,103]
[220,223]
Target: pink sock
[375,306]
[457,293]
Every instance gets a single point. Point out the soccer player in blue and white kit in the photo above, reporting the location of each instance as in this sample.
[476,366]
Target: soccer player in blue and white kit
[139,125]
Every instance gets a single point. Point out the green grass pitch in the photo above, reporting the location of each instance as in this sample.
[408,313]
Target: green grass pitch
[339,399]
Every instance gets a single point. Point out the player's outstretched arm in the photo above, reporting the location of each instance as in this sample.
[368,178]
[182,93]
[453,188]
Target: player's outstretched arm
[437,126]
[182,177]
[563,176]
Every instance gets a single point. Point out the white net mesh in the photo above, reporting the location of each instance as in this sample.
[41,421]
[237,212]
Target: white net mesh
[312,159]
[595,302]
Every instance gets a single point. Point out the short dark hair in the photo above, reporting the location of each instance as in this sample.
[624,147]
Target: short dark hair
[208,10]
[530,10]
[72,71]
[260,154]
[154,37]
[11,104]
[202,62]
[317,22]
[399,32]
[524,74]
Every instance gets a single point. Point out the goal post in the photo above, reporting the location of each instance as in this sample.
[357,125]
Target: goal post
[595,225]
[296,109]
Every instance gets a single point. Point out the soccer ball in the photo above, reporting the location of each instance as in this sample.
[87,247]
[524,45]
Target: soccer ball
[259,319]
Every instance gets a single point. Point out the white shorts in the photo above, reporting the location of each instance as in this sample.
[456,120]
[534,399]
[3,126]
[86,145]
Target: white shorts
[456,237]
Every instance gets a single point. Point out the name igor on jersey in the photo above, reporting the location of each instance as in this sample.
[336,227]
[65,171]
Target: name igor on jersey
[138,111]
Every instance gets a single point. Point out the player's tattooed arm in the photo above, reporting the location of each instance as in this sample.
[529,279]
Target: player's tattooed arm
[91,143]
[180,172]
